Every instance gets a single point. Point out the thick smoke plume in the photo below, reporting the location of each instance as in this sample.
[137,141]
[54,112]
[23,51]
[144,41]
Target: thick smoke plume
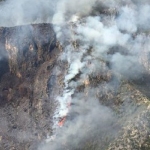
[98,37]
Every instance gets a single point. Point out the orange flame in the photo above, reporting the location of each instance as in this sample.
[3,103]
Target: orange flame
[62,121]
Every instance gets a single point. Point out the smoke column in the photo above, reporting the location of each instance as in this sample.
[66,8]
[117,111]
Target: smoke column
[98,37]
[106,40]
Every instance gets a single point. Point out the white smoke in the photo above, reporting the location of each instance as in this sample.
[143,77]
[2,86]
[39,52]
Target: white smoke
[110,31]
[127,20]
[108,38]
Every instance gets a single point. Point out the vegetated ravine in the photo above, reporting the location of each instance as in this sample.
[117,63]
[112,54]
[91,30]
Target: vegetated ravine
[80,82]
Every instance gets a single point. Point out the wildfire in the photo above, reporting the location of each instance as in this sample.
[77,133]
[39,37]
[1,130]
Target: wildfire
[63,119]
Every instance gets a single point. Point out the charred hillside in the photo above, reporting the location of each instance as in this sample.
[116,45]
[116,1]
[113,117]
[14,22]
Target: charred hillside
[29,54]
[32,75]
[80,82]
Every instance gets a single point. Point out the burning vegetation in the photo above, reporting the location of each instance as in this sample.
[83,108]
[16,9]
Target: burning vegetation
[79,84]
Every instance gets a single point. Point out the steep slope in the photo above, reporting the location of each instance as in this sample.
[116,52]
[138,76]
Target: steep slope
[25,109]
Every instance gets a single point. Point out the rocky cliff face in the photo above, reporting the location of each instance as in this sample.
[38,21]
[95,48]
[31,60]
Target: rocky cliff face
[29,54]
